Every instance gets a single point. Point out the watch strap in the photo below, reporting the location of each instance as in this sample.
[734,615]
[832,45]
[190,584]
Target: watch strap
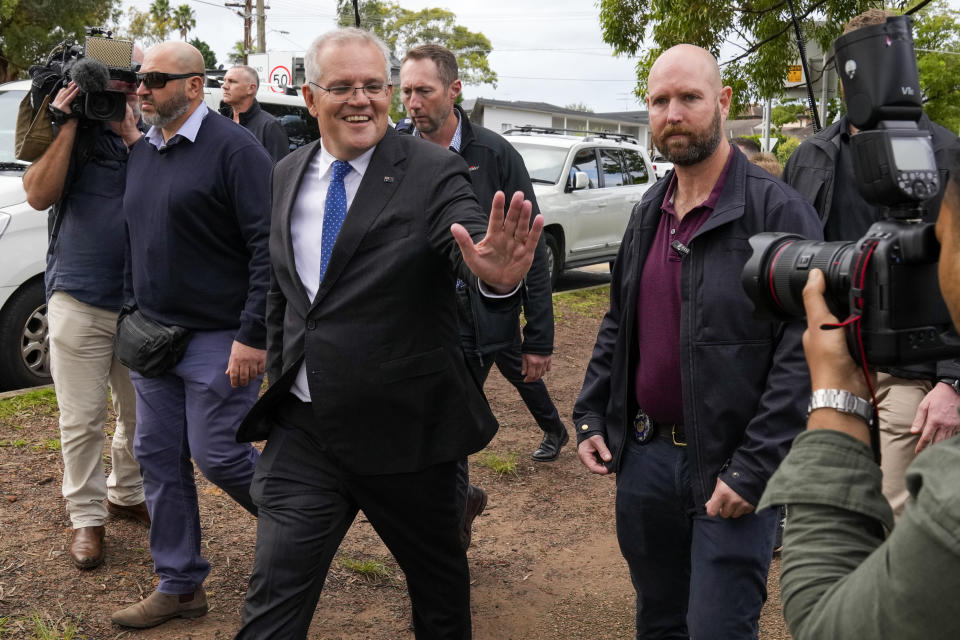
[843,401]
[954,383]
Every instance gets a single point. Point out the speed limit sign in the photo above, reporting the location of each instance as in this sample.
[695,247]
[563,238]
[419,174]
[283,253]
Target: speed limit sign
[279,78]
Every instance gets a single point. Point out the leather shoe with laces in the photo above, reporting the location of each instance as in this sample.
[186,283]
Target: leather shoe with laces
[550,446]
[158,607]
[86,547]
[136,512]
[476,503]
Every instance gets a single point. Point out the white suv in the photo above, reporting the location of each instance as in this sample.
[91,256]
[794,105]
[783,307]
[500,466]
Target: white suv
[24,355]
[586,186]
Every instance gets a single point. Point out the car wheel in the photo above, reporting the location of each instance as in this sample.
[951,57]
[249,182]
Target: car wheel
[554,260]
[24,339]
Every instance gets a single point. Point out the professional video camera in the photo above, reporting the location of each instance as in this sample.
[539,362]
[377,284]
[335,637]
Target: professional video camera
[884,284]
[93,66]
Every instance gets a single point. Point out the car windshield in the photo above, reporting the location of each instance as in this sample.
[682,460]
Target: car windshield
[544,164]
[9,105]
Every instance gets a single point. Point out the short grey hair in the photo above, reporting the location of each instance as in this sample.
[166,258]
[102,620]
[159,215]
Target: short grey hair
[311,64]
[251,73]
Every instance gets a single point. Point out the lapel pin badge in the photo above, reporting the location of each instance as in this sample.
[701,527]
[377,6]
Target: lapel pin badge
[388,178]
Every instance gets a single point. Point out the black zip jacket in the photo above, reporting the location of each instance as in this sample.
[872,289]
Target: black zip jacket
[496,166]
[811,170]
[745,380]
[264,127]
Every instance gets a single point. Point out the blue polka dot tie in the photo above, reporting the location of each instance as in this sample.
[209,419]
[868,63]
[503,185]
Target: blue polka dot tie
[334,212]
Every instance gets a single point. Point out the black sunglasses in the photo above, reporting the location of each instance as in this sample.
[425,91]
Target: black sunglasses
[158,79]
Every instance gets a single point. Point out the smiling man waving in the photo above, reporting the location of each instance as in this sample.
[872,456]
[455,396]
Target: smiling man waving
[371,404]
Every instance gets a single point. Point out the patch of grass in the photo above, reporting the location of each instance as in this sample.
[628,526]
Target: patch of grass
[39,402]
[49,444]
[19,442]
[590,302]
[44,628]
[369,569]
[499,464]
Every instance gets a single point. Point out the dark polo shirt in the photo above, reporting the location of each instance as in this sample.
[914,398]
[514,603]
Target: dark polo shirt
[658,388]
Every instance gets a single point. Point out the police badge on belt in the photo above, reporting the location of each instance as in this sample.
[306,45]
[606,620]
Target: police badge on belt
[643,428]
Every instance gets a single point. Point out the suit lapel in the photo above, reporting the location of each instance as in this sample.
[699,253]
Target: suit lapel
[301,301]
[372,196]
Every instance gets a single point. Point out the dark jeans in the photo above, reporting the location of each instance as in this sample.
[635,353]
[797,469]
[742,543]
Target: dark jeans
[695,576]
[307,503]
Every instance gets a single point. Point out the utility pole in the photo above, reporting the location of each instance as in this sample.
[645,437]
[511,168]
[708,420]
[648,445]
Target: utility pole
[261,28]
[247,15]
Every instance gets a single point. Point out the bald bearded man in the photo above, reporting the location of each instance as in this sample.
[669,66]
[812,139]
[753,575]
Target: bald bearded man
[197,213]
[690,397]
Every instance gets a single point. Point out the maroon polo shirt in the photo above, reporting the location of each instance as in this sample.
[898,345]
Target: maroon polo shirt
[658,388]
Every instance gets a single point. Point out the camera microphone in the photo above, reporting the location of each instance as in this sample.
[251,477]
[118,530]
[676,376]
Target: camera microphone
[91,75]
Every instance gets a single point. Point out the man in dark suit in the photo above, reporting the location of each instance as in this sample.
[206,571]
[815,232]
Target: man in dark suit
[371,404]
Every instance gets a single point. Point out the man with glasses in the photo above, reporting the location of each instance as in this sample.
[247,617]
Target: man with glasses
[82,176]
[371,404]
[197,211]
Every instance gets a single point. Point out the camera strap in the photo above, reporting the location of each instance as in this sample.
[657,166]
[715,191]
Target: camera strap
[852,328]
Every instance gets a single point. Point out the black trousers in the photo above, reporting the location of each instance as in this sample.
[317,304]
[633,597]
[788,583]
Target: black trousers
[534,394]
[306,504]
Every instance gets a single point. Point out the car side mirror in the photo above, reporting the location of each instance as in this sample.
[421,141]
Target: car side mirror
[580,181]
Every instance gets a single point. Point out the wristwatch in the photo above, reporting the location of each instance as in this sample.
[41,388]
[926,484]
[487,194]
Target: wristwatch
[843,401]
[953,382]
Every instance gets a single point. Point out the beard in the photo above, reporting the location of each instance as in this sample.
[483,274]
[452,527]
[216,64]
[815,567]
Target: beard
[698,147]
[166,112]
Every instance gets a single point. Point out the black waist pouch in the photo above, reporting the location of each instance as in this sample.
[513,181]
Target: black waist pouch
[148,347]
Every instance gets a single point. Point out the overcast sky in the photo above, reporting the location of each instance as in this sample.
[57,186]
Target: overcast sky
[542,51]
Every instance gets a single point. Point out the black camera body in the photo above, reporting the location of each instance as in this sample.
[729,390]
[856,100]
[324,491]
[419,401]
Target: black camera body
[889,277]
[92,66]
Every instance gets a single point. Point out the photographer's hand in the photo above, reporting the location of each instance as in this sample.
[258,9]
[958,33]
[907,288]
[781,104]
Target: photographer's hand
[127,128]
[65,97]
[831,366]
[937,418]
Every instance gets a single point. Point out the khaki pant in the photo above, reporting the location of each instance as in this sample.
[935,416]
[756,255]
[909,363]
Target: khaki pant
[83,365]
[898,399]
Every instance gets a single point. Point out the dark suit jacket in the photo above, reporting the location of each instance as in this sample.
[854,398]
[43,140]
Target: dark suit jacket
[390,389]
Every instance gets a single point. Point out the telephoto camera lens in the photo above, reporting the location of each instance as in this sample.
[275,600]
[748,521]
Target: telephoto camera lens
[776,273]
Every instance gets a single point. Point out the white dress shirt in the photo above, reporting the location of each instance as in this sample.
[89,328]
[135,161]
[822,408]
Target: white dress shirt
[306,228]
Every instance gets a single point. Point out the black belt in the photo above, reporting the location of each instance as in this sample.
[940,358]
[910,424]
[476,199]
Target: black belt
[646,428]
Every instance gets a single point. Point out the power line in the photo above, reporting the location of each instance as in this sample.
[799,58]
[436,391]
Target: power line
[633,80]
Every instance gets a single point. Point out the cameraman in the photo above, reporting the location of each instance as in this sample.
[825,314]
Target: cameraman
[82,176]
[840,578]
[918,404]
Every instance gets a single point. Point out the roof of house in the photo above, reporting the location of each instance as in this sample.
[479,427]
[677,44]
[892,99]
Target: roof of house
[633,117]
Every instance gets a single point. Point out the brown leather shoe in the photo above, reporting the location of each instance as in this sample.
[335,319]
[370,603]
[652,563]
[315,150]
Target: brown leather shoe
[137,512]
[158,607]
[86,547]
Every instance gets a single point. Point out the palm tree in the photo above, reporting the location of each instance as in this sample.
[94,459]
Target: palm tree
[160,13]
[184,19]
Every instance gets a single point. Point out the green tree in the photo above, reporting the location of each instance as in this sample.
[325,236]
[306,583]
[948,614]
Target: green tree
[579,106]
[209,57]
[936,35]
[402,28]
[785,113]
[184,19]
[29,29]
[646,28]
[154,25]
[236,55]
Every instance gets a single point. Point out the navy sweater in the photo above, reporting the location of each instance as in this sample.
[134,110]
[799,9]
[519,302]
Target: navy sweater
[198,222]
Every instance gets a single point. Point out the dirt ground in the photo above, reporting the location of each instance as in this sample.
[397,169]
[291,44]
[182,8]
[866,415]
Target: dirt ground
[544,562]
